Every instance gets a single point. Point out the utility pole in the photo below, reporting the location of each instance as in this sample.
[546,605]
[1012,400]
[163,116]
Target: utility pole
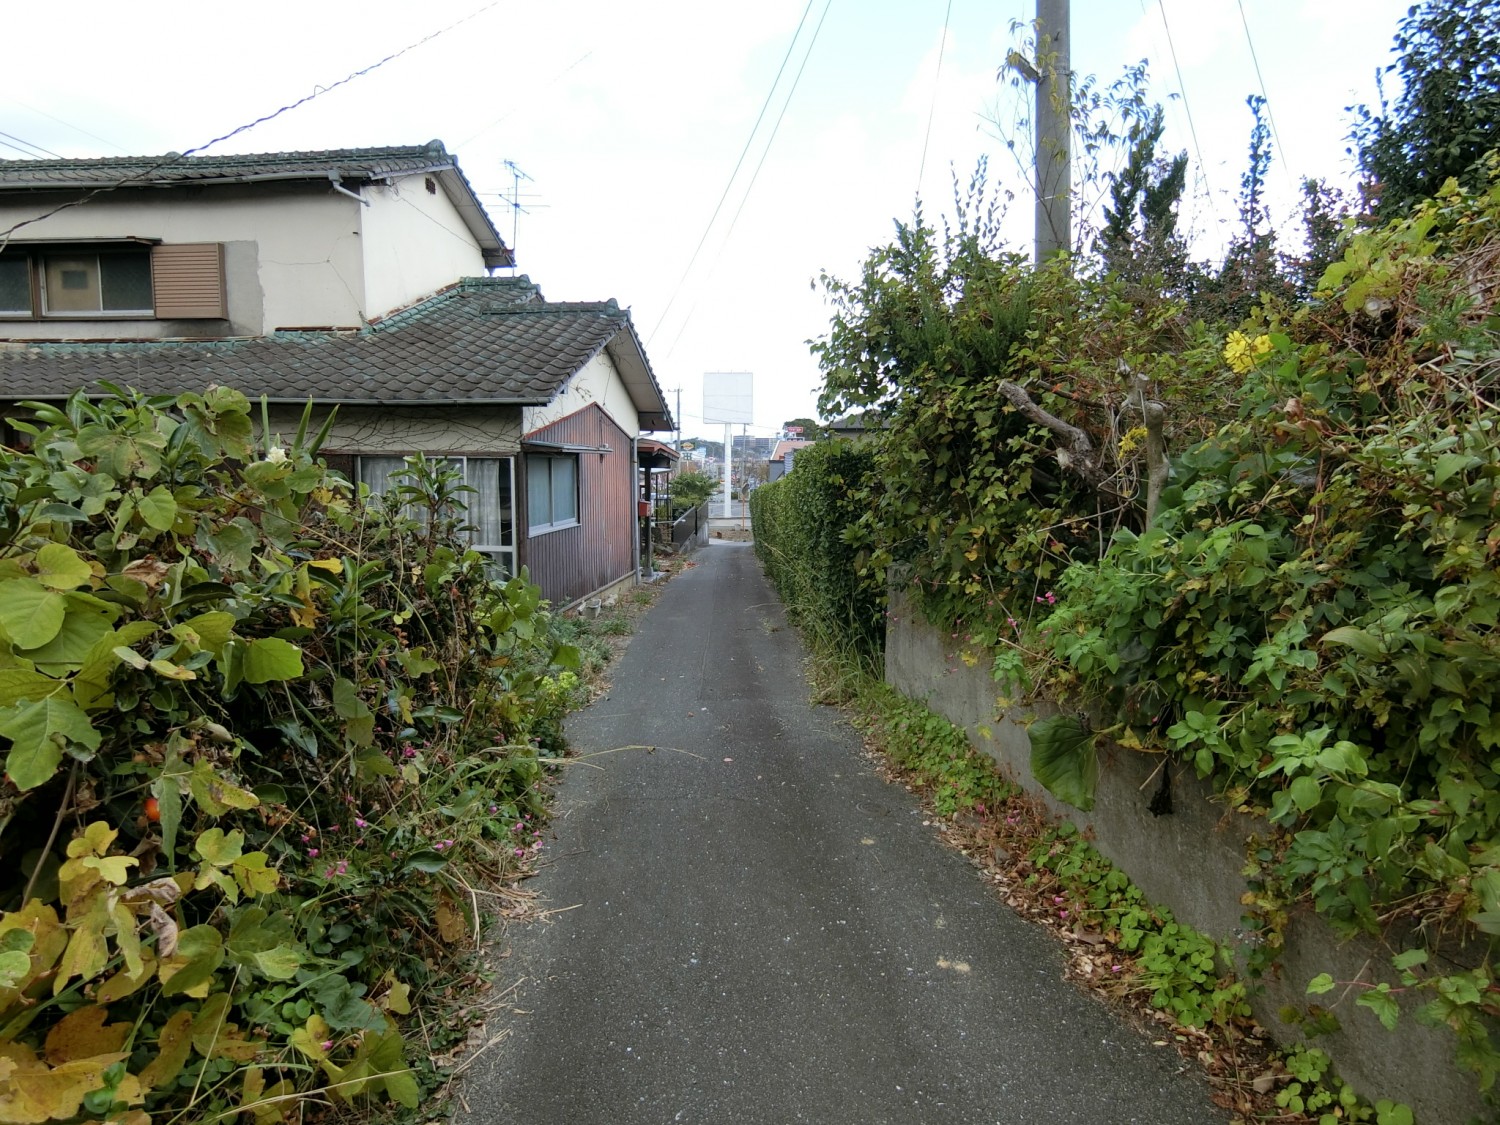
[1054,103]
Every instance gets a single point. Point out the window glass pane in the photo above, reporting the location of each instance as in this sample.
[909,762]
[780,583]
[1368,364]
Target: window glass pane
[564,489]
[72,284]
[489,505]
[376,472]
[538,491]
[15,285]
[125,282]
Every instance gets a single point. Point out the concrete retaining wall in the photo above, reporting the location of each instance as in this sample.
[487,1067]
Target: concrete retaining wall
[1191,861]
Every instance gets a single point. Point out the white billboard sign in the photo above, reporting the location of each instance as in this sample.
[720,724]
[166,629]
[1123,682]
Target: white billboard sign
[728,398]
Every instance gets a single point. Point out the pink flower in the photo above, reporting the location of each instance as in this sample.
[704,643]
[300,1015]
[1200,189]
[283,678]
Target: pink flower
[361,822]
[312,853]
[520,852]
[328,1044]
[1114,968]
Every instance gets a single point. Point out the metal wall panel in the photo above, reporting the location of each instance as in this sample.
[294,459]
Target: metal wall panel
[573,562]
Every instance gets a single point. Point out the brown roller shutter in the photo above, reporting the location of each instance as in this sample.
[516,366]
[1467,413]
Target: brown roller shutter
[187,281]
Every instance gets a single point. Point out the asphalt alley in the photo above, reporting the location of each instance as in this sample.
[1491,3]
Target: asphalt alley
[763,931]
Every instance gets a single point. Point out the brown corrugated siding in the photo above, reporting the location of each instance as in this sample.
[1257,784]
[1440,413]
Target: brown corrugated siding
[576,561]
[187,281]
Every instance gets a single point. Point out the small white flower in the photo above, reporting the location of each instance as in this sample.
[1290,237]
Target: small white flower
[275,455]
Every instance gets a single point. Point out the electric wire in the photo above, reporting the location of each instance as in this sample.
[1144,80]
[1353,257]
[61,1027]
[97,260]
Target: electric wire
[937,81]
[176,158]
[30,148]
[771,140]
[1181,85]
[729,184]
[70,125]
[1266,97]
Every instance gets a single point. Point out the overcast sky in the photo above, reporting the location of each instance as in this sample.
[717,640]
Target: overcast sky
[628,120]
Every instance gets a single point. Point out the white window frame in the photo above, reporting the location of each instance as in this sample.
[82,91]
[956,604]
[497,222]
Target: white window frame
[532,527]
[501,554]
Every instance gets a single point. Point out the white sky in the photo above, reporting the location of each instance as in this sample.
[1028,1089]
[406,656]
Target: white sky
[629,118]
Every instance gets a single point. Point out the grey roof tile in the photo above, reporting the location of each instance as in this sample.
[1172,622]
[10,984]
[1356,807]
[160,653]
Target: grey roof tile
[490,340]
[172,168]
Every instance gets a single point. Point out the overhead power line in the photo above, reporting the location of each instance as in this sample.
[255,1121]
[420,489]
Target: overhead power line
[937,82]
[30,149]
[1266,96]
[730,182]
[1181,85]
[176,158]
[723,242]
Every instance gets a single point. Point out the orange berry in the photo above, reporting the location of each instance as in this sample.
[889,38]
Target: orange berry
[153,809]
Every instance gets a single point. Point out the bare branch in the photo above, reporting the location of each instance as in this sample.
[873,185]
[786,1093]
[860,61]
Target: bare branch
[1077,455]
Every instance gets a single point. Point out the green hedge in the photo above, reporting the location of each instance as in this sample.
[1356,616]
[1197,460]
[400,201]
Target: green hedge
[800,522]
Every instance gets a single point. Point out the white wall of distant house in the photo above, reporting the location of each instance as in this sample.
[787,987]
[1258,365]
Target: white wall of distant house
[598,382]
[415,243]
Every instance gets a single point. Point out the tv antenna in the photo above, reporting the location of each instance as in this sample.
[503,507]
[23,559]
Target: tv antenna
[513,201]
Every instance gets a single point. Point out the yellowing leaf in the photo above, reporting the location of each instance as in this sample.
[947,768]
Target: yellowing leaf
[450,920]
[172,671]
[309,1038]
[36,1093]
[398,999]
[82,1034]
[253,876]
[59,567]
[123,983]
[333,566]
[87,953]
[112,869]
[95,840]
[218,847]
[209,1023]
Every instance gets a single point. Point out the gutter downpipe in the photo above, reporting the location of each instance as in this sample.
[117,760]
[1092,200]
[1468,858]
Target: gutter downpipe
[337,181]
[635,488]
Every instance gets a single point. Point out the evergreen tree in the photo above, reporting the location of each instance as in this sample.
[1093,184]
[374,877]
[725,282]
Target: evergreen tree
[1447,115]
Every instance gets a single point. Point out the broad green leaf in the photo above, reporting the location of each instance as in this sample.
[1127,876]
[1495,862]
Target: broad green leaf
[1064,760]
[14,968]
[200,951]
[280,963]
[1356,638]
[59,567]
[427,860]
[83,627]
[206,631]
[158,508]
[30,614]
[39,732]
[271,658]
[346,701]
[1383,1004]
[1320,984]
[1447,465]
[1306,793]
[17,684]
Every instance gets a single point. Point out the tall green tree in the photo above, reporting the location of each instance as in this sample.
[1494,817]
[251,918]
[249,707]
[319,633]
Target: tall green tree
[1447,115]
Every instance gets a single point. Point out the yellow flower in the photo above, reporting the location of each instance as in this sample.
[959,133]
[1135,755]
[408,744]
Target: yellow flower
[1242,354]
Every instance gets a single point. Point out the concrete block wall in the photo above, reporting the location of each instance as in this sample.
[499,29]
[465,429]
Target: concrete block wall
[1191,861]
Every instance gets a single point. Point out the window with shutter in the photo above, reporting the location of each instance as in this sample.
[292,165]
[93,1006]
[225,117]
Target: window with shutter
[187,281]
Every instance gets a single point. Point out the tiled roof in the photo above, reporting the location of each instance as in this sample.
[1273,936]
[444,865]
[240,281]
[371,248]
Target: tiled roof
[95,175]
[485,340]
[352,163]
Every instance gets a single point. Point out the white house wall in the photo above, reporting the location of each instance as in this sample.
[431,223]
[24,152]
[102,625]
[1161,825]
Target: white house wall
[599,383]
[415,243]
[473,431]
[293,259]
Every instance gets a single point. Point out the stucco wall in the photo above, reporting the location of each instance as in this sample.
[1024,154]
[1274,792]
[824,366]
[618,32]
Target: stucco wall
[415,243]
[1191,861]
[596,383]
[295,258]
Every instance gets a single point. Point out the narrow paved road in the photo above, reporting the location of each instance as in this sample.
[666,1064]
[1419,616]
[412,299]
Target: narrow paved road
[764,931]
